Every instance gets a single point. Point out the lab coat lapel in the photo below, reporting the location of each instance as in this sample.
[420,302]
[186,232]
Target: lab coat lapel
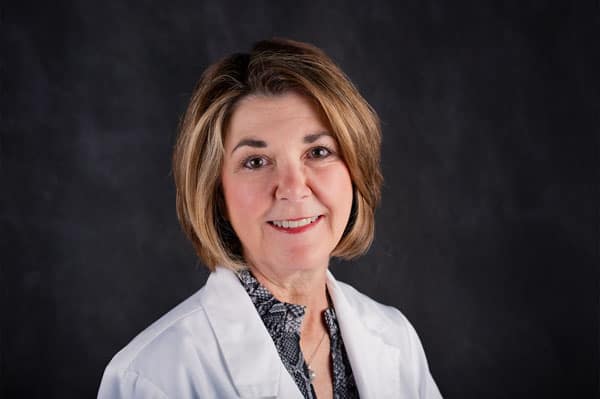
[248,350]
[375,364]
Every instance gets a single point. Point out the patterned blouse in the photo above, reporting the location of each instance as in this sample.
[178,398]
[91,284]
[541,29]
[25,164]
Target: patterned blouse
[283,321]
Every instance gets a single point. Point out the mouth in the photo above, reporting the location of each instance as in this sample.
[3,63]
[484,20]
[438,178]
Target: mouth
[295,225]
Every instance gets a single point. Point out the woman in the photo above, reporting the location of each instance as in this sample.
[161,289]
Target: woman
[277,170]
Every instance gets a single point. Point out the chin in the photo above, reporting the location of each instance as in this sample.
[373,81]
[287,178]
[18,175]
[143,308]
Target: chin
[304,260]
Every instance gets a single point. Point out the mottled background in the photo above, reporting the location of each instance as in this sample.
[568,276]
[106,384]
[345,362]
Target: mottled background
[487,237]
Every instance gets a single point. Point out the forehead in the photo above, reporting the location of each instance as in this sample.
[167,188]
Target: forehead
[263,115]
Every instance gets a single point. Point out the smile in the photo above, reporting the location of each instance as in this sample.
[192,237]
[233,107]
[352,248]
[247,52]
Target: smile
[292,224]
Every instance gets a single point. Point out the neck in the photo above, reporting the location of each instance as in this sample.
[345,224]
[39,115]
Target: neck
[305,287]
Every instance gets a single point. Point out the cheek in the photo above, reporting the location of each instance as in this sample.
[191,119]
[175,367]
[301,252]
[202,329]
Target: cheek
[243,197]
[336,187]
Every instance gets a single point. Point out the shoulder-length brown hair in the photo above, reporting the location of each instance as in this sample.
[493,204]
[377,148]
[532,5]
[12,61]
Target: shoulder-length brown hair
[272,67]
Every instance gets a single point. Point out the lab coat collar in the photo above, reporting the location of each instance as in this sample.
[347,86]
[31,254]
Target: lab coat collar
[251,356]
[375,364]
[247,348]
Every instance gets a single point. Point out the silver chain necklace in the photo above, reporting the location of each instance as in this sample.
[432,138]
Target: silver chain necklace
[311,371]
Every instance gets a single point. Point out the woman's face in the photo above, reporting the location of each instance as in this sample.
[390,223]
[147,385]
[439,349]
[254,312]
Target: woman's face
[288,193]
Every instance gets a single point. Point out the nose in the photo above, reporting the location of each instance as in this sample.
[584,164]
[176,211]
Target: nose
[292,183]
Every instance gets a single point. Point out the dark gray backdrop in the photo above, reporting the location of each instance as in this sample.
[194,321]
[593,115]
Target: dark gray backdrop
[487,237]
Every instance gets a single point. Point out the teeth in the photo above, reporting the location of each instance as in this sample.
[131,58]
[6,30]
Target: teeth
[292,224]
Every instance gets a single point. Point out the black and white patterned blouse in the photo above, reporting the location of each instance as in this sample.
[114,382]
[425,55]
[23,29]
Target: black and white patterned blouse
[283,321]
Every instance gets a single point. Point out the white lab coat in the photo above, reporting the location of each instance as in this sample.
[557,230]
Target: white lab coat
[214,345]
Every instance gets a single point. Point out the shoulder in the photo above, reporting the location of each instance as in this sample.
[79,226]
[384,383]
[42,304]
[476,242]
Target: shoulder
[177,345]
[171,327]
[383,320]
[390,326]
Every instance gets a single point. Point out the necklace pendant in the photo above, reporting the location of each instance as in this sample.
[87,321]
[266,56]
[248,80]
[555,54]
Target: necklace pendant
[311,374]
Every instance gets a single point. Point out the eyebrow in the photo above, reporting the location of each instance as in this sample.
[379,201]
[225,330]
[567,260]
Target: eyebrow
[311,138]
[250,143]
[308,139]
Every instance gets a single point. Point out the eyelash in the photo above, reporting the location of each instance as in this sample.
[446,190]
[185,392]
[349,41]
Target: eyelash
[246,161]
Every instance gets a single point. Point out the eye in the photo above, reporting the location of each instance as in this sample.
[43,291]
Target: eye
[319,152]
[254,162]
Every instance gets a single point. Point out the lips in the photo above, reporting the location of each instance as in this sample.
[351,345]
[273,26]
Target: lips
[295,225]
